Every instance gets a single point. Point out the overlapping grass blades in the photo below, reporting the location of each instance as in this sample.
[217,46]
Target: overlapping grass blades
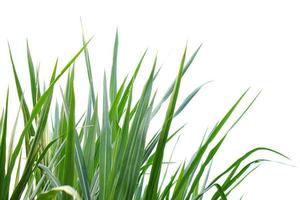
[107,156]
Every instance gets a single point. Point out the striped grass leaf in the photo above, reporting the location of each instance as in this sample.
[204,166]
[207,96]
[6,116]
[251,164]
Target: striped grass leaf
[32,75]
[151,192]
[129,86]
[52,165]
[113,75]
[54,181]
[82,170]
[51,194]
[25,109]
[89,144]
[105,147]
[12,136]
[171,87]
[69,152]
[88,67]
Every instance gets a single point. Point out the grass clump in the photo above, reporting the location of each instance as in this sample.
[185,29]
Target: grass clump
[105,155]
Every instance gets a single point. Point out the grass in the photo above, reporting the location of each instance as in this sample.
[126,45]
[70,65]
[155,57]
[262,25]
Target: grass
[106,155]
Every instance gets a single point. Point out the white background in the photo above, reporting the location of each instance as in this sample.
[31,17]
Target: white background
[245,43]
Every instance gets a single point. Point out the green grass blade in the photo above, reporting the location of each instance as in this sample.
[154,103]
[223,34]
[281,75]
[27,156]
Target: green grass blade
[167,189]
[204,166]
[170,89]
[69,168]
[124,98]
[17,178]
[33,82]
[82,170]
[167,167]
[54,181]
[105,147]
[89,69]
[3,147]
[244,157]
[151,192]
[187,100]
[113,75]
[12,136]
[25,110]
[204,183]
[220,191]
[89,143]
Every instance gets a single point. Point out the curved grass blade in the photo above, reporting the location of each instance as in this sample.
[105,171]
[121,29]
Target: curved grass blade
[51,194]
[54,181]
[188,99]
[54,161]
[244,157]
[195,162]
[170,89]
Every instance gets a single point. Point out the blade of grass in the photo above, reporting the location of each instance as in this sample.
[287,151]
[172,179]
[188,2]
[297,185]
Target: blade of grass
[170,89]
[51,194]
[25,110]
[32,75]
[82,170]
[54,181]
[105,146]
[151,192]
[69,168]
[113,74]
[3,146]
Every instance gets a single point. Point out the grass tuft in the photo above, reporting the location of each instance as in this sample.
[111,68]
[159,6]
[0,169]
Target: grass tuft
[106,155]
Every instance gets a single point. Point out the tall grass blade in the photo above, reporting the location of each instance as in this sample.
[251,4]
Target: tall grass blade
[113,74]
[105,147]
[69,160]
[151,192]
[3,146]
[32,73]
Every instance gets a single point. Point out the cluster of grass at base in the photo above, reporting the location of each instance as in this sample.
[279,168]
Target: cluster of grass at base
[71,157]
